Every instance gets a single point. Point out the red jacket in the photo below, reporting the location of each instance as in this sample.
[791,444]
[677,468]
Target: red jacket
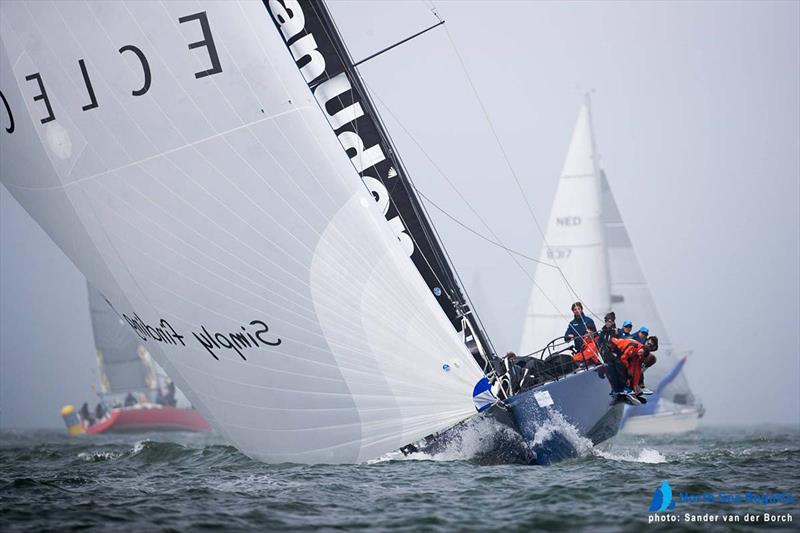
[589,353]
[632,357]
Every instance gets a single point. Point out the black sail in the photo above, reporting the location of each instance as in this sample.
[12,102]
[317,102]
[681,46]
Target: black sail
[326,65]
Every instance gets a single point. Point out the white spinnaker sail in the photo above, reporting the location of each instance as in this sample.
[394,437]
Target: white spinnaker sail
[631,298]
[575,238]
[220,201]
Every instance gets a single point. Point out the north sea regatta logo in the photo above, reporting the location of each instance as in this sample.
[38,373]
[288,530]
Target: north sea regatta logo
[722,506]
[662,499]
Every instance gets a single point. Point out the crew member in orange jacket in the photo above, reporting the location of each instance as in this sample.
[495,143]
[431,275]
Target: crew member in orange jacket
[631,354]
[589,353]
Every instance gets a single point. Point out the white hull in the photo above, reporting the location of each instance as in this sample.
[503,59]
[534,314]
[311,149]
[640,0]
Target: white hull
[665,423]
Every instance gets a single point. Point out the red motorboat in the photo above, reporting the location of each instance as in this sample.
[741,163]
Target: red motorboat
[149,417]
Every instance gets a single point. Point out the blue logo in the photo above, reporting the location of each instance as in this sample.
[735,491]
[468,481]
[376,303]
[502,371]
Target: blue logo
[662,499]
[437,291]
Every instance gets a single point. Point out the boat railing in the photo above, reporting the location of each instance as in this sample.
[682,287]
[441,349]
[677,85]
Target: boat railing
[543,366]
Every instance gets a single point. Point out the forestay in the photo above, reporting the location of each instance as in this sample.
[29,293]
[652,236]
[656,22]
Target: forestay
[574,242]
[176,154]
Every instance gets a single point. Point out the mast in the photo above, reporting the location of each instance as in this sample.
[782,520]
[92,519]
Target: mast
[332,76]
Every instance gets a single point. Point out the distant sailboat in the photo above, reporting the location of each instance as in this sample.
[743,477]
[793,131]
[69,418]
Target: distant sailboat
[587,239]
[673,408]
[574,242]
[127,371]
[218,171]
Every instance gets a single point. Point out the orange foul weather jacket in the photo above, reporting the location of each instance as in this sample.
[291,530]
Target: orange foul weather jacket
[632,357]
[589,353]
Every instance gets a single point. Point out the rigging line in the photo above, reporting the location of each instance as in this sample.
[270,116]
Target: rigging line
[392,155]
[460,195]
[478,234]
[457,284]
[502,149]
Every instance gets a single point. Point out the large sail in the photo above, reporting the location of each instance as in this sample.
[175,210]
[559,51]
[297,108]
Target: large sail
[176,154]
[344,99]
[574,243]
[123,362]
[632,300]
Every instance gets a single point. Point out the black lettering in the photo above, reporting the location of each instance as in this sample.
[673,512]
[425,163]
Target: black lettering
[135,326]
[164,337]
[255,342]
[264,329]
[238,338]
[224,341]
[154,333]
[174,333]
[210,337]
[145,68]
[89,88]
[208,42]
[42,96]
[10,128]
[207,345]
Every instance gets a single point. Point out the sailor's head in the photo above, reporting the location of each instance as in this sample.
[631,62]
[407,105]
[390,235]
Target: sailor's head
[577,308]
[627,326]
[591,330]
[610,318]
[643,332]
[511,356]
[649,359]
[652,343]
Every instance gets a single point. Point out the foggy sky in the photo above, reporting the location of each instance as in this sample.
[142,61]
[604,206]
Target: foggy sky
[696,111]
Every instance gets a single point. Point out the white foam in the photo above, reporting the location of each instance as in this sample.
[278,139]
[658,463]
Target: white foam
[98,456]
[139,446]
[645,455]
[557,425]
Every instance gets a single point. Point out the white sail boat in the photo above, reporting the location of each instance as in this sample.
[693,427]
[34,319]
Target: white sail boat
[218,172]
[587,239]
[673,408]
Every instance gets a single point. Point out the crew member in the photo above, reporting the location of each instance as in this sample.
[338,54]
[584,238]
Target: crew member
[589,354]
[100,411]
[641,335]
[86,415]
[651,345]
[130,400]
[577,327]
[626,331]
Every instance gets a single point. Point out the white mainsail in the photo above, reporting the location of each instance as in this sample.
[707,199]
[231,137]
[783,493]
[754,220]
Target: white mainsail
[574,242]
[175,153]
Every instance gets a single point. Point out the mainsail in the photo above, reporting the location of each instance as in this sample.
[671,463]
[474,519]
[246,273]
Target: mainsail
[632,300]
[176,154]
[123,362]
[574,242]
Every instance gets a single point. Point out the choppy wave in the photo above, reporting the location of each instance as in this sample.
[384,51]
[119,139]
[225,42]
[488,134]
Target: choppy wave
[153,482]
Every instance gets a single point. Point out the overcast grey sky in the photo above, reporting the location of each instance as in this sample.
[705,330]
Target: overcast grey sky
[697,119]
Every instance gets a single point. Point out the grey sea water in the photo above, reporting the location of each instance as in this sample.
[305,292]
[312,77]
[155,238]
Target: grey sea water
[158,482]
